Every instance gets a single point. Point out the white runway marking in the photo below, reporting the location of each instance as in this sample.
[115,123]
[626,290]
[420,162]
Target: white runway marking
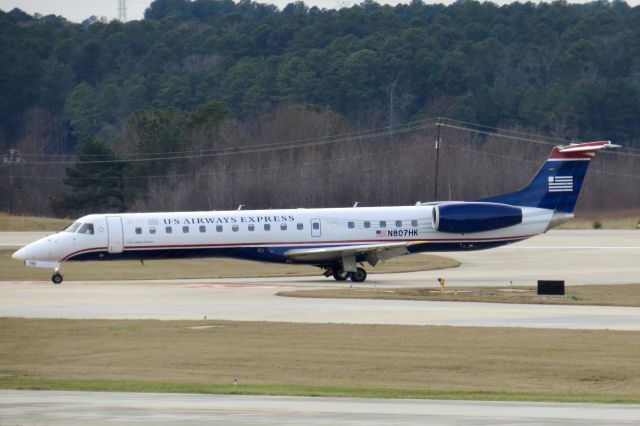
[222,286]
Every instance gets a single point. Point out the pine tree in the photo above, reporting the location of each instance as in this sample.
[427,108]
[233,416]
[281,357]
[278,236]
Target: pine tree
[95,180]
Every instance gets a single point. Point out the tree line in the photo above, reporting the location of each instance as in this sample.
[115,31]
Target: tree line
[216,75]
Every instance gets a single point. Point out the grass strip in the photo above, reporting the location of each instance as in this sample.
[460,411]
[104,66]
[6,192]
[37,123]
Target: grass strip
[320,359]
[602,295]
[49,384]
[31,223]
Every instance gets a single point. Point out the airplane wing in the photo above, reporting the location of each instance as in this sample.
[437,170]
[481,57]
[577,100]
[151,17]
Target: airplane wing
[374,252]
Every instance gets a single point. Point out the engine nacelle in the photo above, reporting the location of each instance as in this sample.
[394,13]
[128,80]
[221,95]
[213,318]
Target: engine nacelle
[462,218]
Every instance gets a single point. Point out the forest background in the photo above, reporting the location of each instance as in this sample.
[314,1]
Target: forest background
[209,104]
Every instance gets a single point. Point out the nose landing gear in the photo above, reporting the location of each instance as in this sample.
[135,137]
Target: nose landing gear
[56,278]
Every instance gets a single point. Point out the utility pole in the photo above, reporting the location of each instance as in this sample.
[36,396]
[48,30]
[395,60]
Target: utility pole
[391,105]
[435,185]
[11,158]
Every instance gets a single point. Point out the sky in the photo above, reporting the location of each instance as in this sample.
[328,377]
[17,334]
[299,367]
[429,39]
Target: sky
[79,10]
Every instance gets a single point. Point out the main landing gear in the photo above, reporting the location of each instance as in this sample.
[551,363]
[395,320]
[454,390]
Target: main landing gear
[340,274]
[56,278]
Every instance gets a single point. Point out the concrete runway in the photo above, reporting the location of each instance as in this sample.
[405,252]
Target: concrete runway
[99,408]
[576,256]
[257,302]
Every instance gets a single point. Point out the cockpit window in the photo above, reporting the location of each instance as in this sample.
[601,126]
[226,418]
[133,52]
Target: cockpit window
[86,228]
[73,227]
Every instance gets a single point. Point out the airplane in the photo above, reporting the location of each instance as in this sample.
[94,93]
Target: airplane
[337,240]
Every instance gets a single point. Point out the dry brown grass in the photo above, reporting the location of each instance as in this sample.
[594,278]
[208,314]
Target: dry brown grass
[31,223]
[536,362]
[609,295]
[11,269]
[625,219]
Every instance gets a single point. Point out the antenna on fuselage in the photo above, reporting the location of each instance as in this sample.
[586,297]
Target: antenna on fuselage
[240,206]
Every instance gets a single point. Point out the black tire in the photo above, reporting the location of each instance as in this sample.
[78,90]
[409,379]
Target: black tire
[359,276]
[340,275]
[56,278]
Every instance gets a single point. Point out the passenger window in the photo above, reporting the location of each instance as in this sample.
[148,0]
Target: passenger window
[138,231]
[203,228]
[300,226]
[398,224]
[267,227]
[168,230]
[351,225]
[251,227]
[86,228]
[152,230]
[218,228]
[414,223]
[383,224]
[283,226]
[235,228]
[367,224]
[316,226]
[185,229]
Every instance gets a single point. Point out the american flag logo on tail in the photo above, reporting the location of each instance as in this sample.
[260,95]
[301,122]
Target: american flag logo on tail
[560,183]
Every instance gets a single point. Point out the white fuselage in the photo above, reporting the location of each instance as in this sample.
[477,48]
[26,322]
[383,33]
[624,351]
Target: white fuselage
[264,234]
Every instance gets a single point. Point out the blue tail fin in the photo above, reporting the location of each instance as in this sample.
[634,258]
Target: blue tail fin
[557,184]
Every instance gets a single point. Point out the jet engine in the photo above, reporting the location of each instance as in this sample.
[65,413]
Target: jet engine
[463,218]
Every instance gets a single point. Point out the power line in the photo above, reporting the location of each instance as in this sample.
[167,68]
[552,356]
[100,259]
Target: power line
[407,127]
[419,124]
[248,150]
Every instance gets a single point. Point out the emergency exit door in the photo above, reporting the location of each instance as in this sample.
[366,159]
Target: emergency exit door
[315,228]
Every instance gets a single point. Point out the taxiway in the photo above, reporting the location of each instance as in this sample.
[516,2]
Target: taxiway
[578,257]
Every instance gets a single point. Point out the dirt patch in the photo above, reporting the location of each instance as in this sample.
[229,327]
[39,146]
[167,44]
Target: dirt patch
[606,295]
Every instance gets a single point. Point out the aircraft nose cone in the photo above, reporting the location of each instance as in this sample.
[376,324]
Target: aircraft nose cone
[20,254]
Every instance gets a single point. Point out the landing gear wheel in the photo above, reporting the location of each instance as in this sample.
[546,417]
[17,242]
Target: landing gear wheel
[56,278]
[359,276]
[340,275]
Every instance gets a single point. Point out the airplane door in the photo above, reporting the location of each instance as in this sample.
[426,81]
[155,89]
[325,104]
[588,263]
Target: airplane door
[315,228]
[114,229]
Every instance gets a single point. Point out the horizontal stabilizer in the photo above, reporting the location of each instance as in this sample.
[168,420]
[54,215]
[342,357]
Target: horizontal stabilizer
[589,146]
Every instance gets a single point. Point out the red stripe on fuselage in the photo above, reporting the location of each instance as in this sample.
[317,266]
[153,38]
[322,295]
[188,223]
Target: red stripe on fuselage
[82,251]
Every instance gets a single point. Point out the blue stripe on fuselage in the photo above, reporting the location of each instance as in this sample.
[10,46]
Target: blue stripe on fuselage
[272,254]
